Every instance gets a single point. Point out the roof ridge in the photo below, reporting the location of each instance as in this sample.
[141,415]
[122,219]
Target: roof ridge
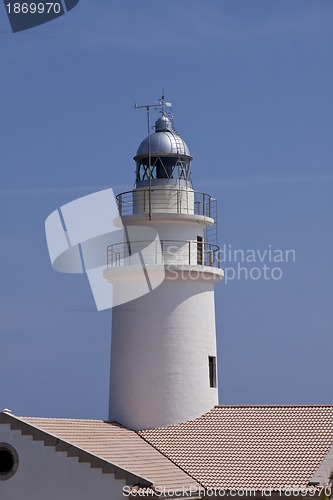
[59,418]
[64,419]
[168,458]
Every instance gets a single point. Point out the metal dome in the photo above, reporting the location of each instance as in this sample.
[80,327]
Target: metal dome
[165,140]
[163,123]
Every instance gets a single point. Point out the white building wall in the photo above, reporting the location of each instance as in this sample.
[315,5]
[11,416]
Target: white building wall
[161,342]
[185,228]
[47,474]
[163,199]
[159,355]
[168,230]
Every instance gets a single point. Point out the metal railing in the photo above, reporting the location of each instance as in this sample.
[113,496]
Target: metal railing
[181,201]
[163,252]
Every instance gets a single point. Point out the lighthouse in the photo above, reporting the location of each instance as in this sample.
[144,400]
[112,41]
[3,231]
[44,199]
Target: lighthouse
[163,349]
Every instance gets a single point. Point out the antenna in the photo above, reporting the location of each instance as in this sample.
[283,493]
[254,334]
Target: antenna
[163,103]
[160,103]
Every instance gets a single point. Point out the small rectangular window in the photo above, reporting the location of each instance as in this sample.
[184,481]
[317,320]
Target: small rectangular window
[212,371]
[199,250]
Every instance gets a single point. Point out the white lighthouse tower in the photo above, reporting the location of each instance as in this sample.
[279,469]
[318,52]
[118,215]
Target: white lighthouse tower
[163,351]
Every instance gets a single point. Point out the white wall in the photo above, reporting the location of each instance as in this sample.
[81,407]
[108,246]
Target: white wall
[159,355]
[45,474]
[164,199]
[161,341]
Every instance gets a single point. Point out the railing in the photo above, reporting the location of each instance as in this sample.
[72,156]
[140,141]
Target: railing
[166,252]
[169,200]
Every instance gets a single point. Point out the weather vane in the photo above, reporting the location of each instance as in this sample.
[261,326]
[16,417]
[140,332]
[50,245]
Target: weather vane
[160,103]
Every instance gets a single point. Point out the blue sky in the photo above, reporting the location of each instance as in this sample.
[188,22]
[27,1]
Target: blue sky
[251,85]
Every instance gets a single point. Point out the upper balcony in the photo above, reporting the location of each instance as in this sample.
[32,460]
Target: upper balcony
[167,200]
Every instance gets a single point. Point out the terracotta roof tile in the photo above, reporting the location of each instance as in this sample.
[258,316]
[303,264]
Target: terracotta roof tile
[249,447]
[117,445]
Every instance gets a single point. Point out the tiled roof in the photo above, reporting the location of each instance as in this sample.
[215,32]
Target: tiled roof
[230,447]
[249,446]
[111,443]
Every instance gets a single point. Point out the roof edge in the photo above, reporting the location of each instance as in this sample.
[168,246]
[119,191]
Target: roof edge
[323,475]
[16,423]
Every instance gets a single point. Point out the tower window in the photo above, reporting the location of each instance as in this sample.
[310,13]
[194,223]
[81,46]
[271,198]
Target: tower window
[199,250]
[8,461]
[212,371]
[162,167]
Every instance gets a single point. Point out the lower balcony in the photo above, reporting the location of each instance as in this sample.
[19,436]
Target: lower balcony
[163,252]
